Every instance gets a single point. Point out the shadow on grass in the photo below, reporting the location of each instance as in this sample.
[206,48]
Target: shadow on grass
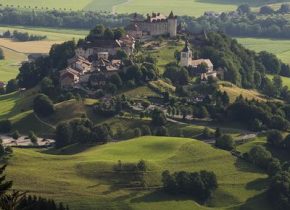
[69,150]
[158,196]
[258,184]
[259,201]
[242,165]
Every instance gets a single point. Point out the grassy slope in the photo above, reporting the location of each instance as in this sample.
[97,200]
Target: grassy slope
[17,107]
[279,47]
[9,66]
[84,179]
[165,53]
[234,91]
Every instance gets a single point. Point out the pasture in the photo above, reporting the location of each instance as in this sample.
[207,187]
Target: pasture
[65,5]
[84,177]
[279,47]
[180,7]
[9,66]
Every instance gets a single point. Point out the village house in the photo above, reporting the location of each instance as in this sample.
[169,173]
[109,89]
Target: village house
[186,60]
[154,25]
[69,77]
[89,50]
[80,64]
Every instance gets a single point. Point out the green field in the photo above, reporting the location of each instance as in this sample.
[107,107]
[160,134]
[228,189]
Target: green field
[180,7]
[10,65]
[14,51]
[95,5]
[84,177]
[53,34]
[279,47]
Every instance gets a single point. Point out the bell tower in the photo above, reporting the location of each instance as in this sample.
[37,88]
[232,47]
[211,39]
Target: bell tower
[186,55]
[172,25]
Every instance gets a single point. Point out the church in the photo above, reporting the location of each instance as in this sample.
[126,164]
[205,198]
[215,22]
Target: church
[154,25]
[186,60]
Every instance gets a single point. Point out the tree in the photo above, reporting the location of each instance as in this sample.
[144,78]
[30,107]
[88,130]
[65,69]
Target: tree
[47,86]
[116,80]
[274,166]
[63,135]
[11,86]
[260,156]
[33,138]
[4,185]
[225,142]
[5,126]
[137,132]
[244,9]
[162,131]
[278,192]
[275,138]
[256,125]
[15,135]
[142,166]
[158,117]
[217,133]
[285,8]
[270,62]
[43,106]
[2,57]
[266,10]
[146,131]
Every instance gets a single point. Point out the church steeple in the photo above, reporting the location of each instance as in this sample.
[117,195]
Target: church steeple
[186,55]
[186,47]
[171,15]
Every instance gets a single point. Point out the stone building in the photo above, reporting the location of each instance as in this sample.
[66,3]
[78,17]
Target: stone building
[186,60]
[154,25]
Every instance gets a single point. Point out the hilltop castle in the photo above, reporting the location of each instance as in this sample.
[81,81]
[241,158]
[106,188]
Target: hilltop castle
[154,25]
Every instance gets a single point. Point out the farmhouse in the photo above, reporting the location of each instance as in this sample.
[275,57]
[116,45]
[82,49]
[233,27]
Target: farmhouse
[154,25]
[204,67]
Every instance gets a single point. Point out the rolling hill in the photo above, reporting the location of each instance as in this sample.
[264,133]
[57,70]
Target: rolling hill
[84,178]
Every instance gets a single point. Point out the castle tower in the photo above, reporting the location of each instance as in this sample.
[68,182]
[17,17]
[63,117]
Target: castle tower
[186,55]
[172,25]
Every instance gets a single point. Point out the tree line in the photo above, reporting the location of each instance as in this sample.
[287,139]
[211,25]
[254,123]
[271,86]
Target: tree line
[22,36]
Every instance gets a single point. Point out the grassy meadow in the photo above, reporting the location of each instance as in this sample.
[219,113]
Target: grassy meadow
[279,47]
[83,177]
[180,7]
[66,5]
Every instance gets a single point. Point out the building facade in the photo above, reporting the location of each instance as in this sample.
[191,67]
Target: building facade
[154,25]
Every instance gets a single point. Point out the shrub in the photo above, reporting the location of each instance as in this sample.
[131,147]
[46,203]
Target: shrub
[43,106]
[225,142]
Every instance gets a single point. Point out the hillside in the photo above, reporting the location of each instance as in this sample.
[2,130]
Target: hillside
[86,179]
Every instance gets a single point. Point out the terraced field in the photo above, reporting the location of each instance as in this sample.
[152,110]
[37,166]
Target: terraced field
[85,179]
